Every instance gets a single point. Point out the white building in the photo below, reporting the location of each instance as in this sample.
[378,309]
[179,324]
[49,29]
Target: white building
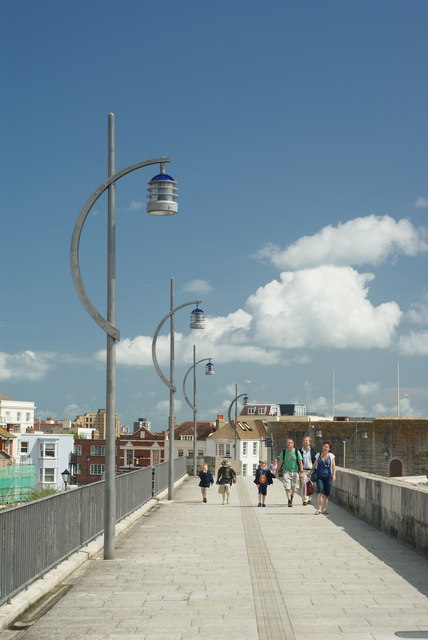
[16,412]
[250,439]
[50,454]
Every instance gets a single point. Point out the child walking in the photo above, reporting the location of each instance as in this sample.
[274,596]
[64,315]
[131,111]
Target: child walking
[206,481]
[262,480]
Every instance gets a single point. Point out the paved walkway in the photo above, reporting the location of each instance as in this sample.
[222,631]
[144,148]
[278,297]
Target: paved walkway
[193,571]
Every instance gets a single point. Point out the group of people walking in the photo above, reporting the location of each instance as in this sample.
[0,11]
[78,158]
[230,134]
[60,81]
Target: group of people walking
[297,468]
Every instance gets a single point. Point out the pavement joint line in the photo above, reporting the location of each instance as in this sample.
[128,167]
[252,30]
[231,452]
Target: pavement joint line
[273,620]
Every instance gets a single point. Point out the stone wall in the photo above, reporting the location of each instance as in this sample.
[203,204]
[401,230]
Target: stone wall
[400,439]
[395,508]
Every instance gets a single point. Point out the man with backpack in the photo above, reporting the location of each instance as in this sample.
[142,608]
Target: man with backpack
[290,462]
[225,478]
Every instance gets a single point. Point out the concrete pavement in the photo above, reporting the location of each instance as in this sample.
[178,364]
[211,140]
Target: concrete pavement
[188,570]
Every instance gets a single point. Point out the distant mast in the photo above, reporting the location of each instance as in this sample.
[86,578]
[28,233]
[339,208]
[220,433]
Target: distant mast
[334,393]
[398,388]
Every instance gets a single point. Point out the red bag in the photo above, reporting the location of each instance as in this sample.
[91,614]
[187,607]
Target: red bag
[309,488]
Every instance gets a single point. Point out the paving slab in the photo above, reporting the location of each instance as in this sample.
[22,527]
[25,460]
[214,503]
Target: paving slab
[193,571]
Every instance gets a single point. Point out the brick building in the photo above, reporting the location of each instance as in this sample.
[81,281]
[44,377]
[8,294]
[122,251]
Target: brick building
[393,446]
[140,449]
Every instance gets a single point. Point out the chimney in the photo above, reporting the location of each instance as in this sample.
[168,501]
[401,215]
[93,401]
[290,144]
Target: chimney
[220,422]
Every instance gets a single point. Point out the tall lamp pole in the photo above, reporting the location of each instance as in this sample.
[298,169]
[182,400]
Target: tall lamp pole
[363,435]
[197,321]
[229,415]
[162,201]
[209,371]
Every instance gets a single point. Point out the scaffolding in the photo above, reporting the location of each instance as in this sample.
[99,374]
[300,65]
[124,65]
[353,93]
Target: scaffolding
[16,483]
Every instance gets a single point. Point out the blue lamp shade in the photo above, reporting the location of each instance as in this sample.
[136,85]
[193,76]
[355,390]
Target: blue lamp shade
[162,195]
[364,434]
[318,432]
[197,319]
[245,400]
[209,369]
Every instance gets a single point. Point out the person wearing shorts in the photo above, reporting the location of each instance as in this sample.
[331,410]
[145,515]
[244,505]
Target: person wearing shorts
[290,461]
[326,473]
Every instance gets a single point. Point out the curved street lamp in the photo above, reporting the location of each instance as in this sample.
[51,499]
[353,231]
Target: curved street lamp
[229,414]
[209,371]
[162,201]
[197,321]
[364,435]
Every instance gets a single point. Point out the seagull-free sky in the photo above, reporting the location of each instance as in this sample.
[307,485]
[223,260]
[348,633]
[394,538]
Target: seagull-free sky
[298,138]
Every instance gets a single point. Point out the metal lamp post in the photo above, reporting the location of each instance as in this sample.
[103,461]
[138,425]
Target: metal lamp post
[162,201]
[229,415]
[65,478]
[363,435]
[197,321]
[209,371]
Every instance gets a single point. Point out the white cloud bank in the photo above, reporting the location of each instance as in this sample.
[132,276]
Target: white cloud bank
[368,240]
[421,203]
[26,365]
[414,344]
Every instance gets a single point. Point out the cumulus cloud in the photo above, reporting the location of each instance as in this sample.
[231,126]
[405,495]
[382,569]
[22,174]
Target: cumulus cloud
[26,365]
[198,286]
[352,409]
[414,344]
[368,240]
[162,407]
[418,312]
[368,388]
[321,308]
[421,203]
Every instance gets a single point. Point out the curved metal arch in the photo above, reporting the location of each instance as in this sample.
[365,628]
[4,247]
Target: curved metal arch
[230,410]
[184,382]
[155,337]
[105,325]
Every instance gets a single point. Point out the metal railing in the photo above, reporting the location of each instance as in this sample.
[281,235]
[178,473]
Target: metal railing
[37,536]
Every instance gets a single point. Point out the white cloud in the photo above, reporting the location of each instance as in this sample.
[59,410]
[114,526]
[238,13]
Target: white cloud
[136,206]
[421,203]
[26,365]
[368,388]
[198,286]
[162,408]
[369,240]
[321,308]
[352,409]
[414,344]
[418,312]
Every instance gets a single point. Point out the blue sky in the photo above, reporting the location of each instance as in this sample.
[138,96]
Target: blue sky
[298,134]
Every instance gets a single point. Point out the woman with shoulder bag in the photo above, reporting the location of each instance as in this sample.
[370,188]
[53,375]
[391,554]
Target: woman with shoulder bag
[325,467]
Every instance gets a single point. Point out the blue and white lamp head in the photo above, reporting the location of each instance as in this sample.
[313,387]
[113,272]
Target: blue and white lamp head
[162,195]
[197,319]
[209,369]
[245,400]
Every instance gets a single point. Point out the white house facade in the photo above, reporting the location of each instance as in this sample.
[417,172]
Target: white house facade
[50,454]
[251,445]
[16,412]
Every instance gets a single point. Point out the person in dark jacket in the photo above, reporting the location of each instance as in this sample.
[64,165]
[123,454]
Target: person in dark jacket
[308,456]
[225,478]
[206,481]
[263,479]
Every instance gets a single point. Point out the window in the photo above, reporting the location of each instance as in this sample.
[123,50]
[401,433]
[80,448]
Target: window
[244,469]
[24,446]
[187,438]
[254,469]
[96,469]
[251,411]
[78,449]
[261,410]
[98,450]
[129,457]
[155,457]
[47,476]
[223,450]
[78,469]
[48,450]
[245,449]
[18,416]
[180,453]
[255,447]
[200,452]
[16,428]
[28,417]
